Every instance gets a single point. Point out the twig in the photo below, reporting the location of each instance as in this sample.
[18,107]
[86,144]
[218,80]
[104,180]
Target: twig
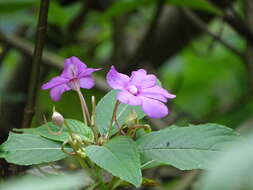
[198,22]
[37,56]
[239,26]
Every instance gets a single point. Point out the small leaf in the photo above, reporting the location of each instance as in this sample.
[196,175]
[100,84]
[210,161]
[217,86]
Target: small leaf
[28,149]
[77,127]
[120,157]
[186,147]
[105,110]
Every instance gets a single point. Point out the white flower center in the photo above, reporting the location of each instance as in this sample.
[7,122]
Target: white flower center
[133,89]
[74,84]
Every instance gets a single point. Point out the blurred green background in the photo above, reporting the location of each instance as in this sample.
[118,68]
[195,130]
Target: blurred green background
[182,41]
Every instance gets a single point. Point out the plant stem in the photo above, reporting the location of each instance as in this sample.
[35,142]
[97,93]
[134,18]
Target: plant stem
[86,114]
[114,118]
[93,118]
[37,56]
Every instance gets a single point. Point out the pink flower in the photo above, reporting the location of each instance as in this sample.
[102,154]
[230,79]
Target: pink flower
[75,75]
[140,89]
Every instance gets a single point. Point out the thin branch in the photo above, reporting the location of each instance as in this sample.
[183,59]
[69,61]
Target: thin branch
[239,26]
[234,19]
[21,30]
[202,25]
[37,56]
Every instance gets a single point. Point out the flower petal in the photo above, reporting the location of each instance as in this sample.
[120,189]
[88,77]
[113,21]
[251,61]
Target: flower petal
[117,80]
[127,98]
[57,91]
[155,96]
[54,82]
[158,90]
[87,82]
[87,72]
[142,80]
[154,108]
[73,67]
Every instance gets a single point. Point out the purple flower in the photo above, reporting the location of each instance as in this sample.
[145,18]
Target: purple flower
[140,89]
[75,75]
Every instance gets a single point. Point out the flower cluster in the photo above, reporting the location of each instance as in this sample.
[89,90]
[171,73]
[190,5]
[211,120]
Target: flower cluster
[140,89]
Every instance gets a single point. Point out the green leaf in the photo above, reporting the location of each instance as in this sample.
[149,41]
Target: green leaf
[7,6]
[204,5]
[104,112]
[120,157]
[52,182]
[186,147]
[77,127]
[232,170]
[28,149]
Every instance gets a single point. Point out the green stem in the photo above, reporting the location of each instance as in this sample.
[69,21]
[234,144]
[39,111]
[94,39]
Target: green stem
[37,57]
[86,115]
[93,118]
[114,118]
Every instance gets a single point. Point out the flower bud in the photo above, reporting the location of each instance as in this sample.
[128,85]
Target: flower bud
[81,153]
[57,119]
[77,139]
[102,140]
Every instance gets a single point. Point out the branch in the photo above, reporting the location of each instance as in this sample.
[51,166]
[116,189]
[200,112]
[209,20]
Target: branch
[202,25]
[35,73]
[239,26]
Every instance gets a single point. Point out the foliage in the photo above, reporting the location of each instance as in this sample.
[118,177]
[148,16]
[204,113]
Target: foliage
[210,81]
[183,147]
[186,148]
